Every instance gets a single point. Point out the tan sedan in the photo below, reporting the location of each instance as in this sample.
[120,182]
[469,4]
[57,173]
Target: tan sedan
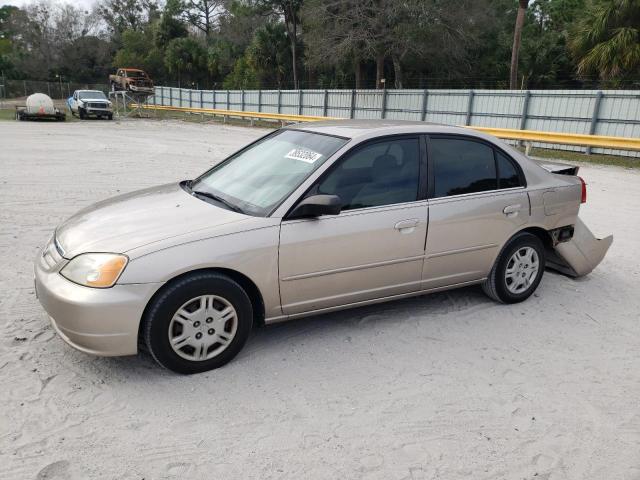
[308,219]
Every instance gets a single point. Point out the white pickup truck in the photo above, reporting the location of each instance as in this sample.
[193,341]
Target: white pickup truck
[85,103]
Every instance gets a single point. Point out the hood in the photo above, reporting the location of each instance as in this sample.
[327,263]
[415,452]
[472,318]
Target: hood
[135,219]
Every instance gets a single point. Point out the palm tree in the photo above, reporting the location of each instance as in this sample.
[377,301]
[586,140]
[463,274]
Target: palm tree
[517,36]
[606,40]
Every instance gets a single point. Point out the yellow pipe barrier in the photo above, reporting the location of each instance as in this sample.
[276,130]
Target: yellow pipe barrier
[235,113]
[618,143]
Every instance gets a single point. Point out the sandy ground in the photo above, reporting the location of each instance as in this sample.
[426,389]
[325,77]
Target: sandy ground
[447,386]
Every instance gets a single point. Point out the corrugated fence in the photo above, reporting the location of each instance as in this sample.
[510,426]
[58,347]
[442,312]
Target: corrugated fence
[606,112]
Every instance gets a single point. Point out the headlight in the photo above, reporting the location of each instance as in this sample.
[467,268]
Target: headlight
[98,270]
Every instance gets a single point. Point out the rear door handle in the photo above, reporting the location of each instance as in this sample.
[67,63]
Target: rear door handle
[512,210]
[407,226]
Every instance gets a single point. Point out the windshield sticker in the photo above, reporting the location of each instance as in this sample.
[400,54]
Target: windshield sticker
[303,155]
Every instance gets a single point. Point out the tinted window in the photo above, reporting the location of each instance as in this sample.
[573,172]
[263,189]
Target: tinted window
[382,173]
[507,173]
[462,166]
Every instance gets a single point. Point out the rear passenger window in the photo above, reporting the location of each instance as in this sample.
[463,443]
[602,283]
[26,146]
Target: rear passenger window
[507,173]
[462,166]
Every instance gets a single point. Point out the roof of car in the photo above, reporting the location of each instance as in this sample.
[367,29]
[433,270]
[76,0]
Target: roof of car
[373,128]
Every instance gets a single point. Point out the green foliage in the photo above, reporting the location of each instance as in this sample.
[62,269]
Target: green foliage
[327,43]
[122,15]
[186,58]
[242,77]
[606,40]
[86,58]
[170,25]
[269,56]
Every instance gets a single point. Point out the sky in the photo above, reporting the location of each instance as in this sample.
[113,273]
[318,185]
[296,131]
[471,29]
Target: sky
[20,3]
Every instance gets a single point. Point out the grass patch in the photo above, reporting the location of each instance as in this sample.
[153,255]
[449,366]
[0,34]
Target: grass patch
[208,118]
[7,114]
[595,158]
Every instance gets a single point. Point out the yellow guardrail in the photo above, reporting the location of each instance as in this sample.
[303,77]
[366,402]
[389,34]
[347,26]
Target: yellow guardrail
[235,113]
[617,143]
[602,141]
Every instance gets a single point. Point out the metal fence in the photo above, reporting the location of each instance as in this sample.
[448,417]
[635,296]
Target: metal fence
[58,90]
[606,112]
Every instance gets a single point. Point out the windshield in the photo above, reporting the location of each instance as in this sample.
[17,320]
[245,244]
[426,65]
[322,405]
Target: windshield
[258,178]
[134,74]
[92,95]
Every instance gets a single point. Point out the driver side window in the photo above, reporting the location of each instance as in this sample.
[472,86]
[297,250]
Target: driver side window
[381,173]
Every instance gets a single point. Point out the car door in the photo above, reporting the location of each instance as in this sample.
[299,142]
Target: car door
[477,201]
[74,102]
[375,247]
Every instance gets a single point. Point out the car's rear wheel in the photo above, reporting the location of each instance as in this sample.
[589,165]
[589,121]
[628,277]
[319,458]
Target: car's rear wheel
[517,271]
[199,323]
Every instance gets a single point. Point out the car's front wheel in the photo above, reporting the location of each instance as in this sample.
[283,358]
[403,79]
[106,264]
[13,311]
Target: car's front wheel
[198,323]
[517,271]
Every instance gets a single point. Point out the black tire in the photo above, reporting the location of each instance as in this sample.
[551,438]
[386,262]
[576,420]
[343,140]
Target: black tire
[81,114]
[496,284]
[110,116]
[161,310]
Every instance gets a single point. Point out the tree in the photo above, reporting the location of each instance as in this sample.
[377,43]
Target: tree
[242,77]
[121,15]
[86,59]
[203,14]
[333,38]
[187,59]
[7,39]
[138,51]
[419,36]
[517,37]
[170,25]
[269,56]
[606,40]
[544,59]
[289,10]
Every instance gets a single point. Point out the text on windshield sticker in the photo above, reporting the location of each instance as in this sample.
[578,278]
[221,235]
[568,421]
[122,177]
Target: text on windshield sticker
[303,155]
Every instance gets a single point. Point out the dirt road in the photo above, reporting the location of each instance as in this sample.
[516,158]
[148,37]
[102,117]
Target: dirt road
[447,386]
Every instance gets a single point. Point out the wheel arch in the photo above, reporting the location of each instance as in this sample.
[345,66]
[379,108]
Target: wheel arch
[249,286]
[541,233]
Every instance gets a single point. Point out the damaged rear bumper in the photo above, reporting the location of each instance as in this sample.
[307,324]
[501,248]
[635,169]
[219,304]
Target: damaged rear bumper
[580,255]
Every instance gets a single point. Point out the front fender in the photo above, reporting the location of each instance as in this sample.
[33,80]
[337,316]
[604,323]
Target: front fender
[252,253]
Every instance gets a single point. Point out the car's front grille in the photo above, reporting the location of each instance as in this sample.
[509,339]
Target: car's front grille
[97,105]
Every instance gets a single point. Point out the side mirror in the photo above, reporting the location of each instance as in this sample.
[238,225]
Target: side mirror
[317,205]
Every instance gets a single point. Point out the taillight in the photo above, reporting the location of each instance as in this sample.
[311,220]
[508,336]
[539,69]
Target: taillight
[583,198]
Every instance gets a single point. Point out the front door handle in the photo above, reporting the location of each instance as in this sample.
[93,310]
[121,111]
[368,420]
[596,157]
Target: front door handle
[407,226]
[512,210]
